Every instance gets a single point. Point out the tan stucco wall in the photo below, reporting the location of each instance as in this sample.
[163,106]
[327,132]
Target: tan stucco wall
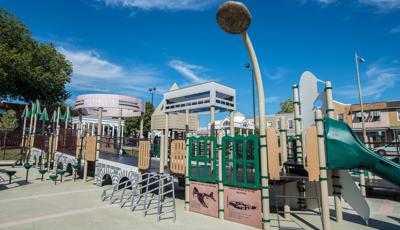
[393,119]
[345,109]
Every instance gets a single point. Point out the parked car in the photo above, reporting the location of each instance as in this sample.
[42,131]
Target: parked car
[388,149]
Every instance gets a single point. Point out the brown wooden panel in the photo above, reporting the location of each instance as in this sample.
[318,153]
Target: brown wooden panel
[310,148]
[144,155]
[90,144]
[274,165]
[78,146]
[178,156]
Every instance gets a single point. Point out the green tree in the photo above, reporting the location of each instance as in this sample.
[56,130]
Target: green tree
[29,70]
[287,106]
[133,123]
[9,121]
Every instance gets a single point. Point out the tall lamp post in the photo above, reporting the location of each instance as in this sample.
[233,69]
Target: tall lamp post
[358,60]
[234,18]
[152,91]
[254,99]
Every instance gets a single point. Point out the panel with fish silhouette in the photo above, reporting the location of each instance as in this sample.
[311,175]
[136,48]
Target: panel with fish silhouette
[243,206]
[203,198]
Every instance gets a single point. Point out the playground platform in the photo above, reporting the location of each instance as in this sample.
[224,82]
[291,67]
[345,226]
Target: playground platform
[70,205]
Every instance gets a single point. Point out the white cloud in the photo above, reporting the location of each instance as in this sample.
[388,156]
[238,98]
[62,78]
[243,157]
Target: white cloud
[89,63]
[189,71]
[378,79]
[163,4]
[92,73]
[395,30]
[383,5]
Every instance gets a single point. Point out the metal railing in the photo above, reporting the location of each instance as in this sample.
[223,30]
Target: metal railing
[154,186]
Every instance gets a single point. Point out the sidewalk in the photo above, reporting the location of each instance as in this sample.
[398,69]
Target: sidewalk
[77,205]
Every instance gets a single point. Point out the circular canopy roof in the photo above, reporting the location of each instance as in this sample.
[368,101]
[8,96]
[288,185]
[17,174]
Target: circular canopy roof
[88,104]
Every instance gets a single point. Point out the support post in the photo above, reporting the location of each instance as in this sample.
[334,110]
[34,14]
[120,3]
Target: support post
[283,142]
[220,185]
[93,128]
[166,141]
[141,125]
[335,174]
[187,182]
[24,136]
[85,166]
[98,140]
[297,124]
[34,129]
[119,132]
[263,142]
[56,139]
[232,123]
[212,121]
[30,133]
[323,180]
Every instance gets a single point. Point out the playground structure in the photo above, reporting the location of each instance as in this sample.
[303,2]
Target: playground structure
[72,146]
[232,177]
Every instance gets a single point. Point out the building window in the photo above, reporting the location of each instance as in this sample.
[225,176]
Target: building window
[376,115]
[340,117]
[269,124]
[290,124]
[358,117]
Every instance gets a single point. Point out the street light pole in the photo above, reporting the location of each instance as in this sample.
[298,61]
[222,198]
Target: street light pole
[152,91]
[234,18]
[254,99]
[364,133]
[361,100]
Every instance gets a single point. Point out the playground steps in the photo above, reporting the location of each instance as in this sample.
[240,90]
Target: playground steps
[154,192]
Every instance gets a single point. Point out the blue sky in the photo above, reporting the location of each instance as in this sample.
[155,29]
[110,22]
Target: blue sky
[127,46]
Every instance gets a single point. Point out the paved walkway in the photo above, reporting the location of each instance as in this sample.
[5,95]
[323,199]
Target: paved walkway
[77,205]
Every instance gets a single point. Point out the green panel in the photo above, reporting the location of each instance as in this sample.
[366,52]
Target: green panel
[345,151]
[245,156]
[155,151]
[205,159]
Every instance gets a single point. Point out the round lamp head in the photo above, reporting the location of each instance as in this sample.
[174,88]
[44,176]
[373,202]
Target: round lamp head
[233,17]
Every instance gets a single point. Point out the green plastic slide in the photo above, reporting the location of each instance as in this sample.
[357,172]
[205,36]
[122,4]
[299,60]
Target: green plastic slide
[345,151]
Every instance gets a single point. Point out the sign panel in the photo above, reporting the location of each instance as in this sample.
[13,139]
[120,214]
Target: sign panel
[243,206]
[203,198]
